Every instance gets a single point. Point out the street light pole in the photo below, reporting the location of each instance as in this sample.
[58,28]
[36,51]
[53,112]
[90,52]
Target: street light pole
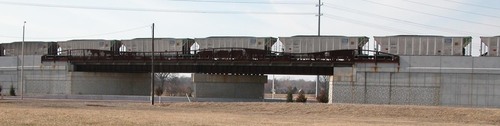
[152,65]
[22,62]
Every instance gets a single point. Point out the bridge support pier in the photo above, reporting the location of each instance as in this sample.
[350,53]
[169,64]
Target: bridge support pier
[341,76]
[229,86]
[330,90]
[100,83]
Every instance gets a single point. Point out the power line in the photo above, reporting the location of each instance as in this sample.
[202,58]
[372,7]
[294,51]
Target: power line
[468,12]
[100,34]
[350,20]
[436,28]
[3,36]
[108,33]
[153,10]
[476,5]
[451,18]
[244,2]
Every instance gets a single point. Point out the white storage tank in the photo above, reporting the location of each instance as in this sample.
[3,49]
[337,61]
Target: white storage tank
[425,45]
[492,44]
[264,43]
[161,45]
[308,44]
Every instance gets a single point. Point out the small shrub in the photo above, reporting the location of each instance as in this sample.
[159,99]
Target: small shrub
[1,95]
[301,97]
[322,97]
[189,91]
[158,91]
[289,96]
[12,91]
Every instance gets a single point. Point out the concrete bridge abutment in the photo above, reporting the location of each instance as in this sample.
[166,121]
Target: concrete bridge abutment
[101,83]
[229,86]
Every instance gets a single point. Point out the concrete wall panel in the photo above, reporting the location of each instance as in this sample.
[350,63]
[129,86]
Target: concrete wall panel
[110,83]
[46,82]
[229,86]
[6,62]
[377,94]
[346,93]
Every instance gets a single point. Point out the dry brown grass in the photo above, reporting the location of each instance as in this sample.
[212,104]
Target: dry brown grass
[65,112]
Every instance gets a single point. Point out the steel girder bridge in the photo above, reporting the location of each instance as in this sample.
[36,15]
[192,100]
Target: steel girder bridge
[234,61]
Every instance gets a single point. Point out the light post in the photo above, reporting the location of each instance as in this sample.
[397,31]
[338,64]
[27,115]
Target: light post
[22,63]
[152,65]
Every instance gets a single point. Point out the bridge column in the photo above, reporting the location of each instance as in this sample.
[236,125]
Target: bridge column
[342,77]
[229,86]
[330,90]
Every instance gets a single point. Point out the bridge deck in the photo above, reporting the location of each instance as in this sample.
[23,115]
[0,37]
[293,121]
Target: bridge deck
[320,63]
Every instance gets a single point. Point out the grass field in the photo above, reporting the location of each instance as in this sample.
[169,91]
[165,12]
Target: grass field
[73,112]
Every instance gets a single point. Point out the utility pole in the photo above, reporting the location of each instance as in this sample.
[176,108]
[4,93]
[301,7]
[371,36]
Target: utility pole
[319,16]
[152,64]
[319,34]
[22,62]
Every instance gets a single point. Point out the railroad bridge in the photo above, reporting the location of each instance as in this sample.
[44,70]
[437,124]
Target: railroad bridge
[424,70]
[219,70]
[210,61]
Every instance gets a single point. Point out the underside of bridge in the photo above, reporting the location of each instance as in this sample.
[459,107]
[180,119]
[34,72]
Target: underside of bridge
[255,69]
[229,86]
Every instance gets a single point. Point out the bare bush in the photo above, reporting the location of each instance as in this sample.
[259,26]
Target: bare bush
[301,97]
[289,95]
[12,91]
[322,96]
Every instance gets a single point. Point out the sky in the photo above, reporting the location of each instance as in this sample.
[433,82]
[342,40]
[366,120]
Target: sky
[59,20]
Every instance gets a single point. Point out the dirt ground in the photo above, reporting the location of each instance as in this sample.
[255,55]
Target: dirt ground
[72,112]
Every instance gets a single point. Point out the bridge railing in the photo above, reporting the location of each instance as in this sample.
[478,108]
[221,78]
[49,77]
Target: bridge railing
[221,54]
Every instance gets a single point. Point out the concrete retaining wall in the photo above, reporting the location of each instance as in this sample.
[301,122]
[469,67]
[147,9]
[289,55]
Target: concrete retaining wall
[110,83]
[229,86]
[8,73]
[54,78]
[418,80]
[422,80]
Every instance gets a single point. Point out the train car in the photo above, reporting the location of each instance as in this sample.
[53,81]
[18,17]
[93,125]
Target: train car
[94,44]
[30,48]
[424,45]
[161,45]
[99,44]
[264,43]
[233,53]
[311,44]
[492,46]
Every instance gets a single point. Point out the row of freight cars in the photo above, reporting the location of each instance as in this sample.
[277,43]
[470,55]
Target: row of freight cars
[398,45]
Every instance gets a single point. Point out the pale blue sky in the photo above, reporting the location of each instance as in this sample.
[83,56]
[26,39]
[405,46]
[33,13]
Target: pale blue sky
[55,23]
[341,17]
